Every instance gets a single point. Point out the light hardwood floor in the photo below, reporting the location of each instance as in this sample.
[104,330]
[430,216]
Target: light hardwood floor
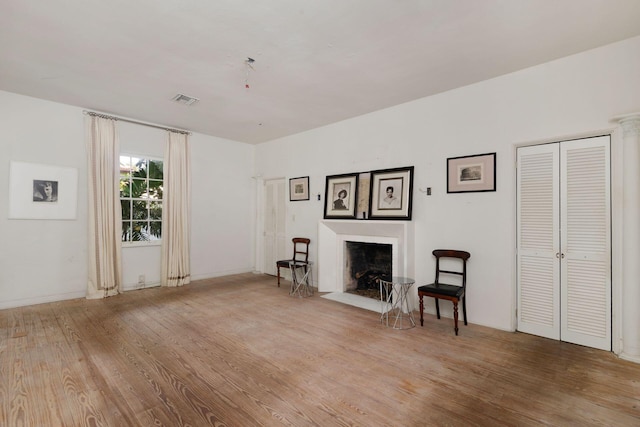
[238,351]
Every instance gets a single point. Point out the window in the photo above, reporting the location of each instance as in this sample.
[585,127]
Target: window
[141,199]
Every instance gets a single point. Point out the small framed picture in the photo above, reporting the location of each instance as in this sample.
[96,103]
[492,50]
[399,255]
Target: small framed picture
[299,189]
[341,196]
[469,174]
[42,191]
[391,194]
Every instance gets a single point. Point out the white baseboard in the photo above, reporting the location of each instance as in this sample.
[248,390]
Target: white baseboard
[220,274]
[41,300]
[136,287]
[629,358]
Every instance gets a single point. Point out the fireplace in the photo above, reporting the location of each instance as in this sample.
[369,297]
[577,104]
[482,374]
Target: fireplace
[332,238]
[365,264]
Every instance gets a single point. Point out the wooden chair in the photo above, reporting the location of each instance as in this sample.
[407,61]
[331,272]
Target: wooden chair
[440,290]
[300,254]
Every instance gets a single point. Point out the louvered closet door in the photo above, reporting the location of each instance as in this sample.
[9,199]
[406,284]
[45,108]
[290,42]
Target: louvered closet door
[586,236]
[564,249]
[538,241]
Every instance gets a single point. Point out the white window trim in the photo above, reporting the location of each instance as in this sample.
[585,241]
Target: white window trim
[141,243]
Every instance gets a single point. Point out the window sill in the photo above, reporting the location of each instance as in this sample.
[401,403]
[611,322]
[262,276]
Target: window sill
[126,245]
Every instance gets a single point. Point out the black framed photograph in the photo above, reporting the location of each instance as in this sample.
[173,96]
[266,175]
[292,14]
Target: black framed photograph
[299,189]
[470,174]
[341,196]
[391,193]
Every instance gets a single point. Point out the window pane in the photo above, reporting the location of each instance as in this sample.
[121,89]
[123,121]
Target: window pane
[140,232]
[140,209]
[126,209]
[155,189]
[155,169]
[138,188]
[126,231]
[125,165]
[155,228]
[139,167]
[155,210]
[125,187]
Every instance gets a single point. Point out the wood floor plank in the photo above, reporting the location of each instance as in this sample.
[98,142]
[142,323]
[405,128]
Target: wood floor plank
[75,375]
[239,351]
[109,349]
[4,365]
[203,351]
[41,387]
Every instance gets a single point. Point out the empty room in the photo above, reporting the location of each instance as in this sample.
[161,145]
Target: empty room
[319,213]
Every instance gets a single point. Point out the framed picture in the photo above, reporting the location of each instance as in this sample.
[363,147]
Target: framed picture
[42,191]
[364,184]
[469,174]
[341,196]
[299,189]
[391,194]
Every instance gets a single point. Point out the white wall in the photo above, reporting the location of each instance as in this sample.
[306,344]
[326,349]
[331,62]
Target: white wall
[568,97]
[41,260]
[223,207]
[44,261]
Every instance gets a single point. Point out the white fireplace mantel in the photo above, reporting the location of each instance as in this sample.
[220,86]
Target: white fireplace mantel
[333,233]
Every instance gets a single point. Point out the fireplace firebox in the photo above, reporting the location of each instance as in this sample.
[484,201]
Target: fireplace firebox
[365,264]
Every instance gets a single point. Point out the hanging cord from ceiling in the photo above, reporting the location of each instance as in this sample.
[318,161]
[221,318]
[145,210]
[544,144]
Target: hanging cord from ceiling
[249,67]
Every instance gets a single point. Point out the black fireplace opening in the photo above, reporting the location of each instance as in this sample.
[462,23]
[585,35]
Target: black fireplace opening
[365,264]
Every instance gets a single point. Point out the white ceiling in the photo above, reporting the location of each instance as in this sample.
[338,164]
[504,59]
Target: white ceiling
[316,61]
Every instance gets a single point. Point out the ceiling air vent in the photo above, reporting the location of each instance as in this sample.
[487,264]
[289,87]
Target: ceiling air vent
[184,99]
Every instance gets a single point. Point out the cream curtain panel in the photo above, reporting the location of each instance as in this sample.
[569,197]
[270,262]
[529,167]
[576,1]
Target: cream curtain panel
[105,222]
[176,212]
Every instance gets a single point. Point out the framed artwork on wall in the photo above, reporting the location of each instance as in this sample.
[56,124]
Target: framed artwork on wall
[341,196]
[391,194]
[42,191]
[470,174]
[364,184]
[299,189]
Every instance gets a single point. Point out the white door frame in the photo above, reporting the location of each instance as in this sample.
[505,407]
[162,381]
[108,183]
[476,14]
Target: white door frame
[261,240]
[259,227]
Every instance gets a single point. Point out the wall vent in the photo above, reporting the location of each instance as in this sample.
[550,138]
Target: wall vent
[184,99]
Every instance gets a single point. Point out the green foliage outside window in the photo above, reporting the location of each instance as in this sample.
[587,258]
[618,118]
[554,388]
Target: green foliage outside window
[141,185]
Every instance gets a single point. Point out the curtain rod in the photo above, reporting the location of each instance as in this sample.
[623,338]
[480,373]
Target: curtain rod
[136,122]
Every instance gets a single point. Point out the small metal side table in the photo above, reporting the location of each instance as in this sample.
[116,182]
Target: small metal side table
[300,279]
[395,303]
